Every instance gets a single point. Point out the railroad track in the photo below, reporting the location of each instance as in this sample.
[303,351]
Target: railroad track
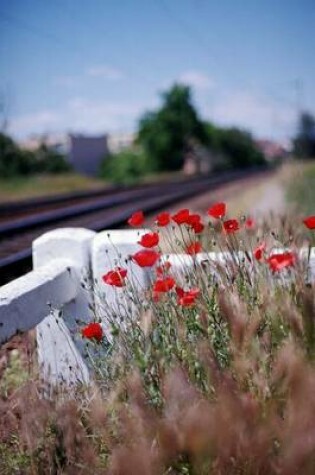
[20,224]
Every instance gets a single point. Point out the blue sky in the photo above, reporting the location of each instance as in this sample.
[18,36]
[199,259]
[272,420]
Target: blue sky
[96,66]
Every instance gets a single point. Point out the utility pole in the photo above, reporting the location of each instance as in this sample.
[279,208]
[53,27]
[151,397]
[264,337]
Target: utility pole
[299,95]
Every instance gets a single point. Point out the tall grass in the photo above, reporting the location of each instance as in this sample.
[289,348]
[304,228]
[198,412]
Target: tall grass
[301,187]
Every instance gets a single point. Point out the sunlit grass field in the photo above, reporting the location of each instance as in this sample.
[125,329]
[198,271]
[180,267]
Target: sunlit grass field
[301,187]
[20,188]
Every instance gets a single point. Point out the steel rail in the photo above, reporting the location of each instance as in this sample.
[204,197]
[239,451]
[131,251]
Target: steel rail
[18,262]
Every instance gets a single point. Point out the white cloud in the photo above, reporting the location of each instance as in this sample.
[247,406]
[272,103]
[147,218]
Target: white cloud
[80,115]
[68,81]
[28,123]
[261,115]
[105,72]
[197,80]
[101,71]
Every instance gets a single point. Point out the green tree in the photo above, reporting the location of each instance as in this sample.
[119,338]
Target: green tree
[14,161]
[240,148]
[166,135]
[50,161]
[304,143]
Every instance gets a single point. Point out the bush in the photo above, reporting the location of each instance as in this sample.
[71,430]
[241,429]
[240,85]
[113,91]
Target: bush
[49,161]
[125,167]
[16,162]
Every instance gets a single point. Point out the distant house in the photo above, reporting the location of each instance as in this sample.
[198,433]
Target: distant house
[201,159]
[86,153]
[120,141]
[272,151]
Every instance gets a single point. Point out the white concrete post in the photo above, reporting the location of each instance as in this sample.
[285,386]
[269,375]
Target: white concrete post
[109,250]
[60,346]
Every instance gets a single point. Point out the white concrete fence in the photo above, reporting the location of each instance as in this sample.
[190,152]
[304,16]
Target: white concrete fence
[65,287]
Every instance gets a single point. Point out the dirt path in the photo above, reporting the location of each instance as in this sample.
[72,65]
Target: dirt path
[251,196]
[272,199]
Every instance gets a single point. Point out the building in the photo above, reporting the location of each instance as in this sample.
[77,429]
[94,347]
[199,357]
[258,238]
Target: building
[84,153]
[120,141]
[87,153]
[273,151]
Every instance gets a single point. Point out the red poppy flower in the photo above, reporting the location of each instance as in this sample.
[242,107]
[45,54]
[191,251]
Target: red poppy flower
[194,220]
[163,219]
[258,252]
[309,222]
[161,270]
[186,298]
[149,240]
[115,277]
[164,285]
[92,331]
[198,227]
[231,225]
[249,223]
[278,262]
[181,216]
[218,210]
[136,219]
[187,301]
[194,248]
[145,258]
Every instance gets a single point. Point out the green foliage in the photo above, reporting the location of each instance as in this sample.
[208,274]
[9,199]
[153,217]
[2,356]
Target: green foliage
[301,188]
[125,167]
[50,161]
[166,134]
[170,133]
[304,143]
[236,146]
[240,148]
[14,375]
[16,162]
[13,161]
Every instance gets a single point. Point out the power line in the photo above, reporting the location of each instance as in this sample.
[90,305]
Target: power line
[29,28]
[38,32]
[203,45]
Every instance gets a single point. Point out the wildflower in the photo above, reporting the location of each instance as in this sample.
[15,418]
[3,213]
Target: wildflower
[92,331]
[186,298]
[181,216]
[161,270]
[115,277]
[194,220]
[145,258]
[194,248]
[278,262]
[163,219]
[231,225]
[136,219]
[198,227]
[218,210]
[149,240]
[309,222]
[163,285]
[258,251]
[249,223]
